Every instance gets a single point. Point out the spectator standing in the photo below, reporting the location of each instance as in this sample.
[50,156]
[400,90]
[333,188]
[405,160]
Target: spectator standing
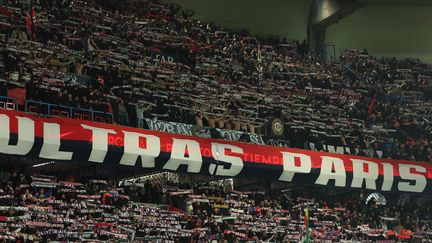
[140,109]
[122,113]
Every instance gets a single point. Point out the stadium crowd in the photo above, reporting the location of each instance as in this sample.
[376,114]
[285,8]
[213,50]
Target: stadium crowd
[42,208]
[145,59]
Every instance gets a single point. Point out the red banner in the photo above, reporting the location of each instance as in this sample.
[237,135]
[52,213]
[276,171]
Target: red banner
[68,139]
[19,94]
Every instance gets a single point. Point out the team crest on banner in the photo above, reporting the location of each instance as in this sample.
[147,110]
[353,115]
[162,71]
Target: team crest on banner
[277,128]
[64,139]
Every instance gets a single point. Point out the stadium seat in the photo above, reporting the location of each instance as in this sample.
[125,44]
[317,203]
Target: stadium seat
[33,109]
[77,115]
[55,113]
[86,117]
[10,106]
[64,114]
[99,119]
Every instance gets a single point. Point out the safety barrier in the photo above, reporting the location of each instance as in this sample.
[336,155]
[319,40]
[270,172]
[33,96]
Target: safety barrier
[43,109]
[8,103]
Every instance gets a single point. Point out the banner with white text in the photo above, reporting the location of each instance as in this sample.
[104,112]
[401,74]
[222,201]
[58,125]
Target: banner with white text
[63,139]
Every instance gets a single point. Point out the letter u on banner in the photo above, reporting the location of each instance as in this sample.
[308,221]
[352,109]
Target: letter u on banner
[26,134]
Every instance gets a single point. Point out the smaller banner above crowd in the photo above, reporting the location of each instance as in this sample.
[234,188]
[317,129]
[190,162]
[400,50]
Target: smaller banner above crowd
[67,139]
[329,143]
[191,130]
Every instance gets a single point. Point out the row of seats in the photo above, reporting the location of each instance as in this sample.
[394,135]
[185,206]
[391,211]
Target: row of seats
[70,113]
[8,105]
[49,110]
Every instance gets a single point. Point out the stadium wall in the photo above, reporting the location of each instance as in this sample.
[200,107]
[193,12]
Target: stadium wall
[399,31]
[276,17]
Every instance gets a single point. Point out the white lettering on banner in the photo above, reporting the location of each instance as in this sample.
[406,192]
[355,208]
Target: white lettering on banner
[99,142]
[132,149]
[405,174]
[218,152]
[171,127]
[359,175]
[164,58]
[388,177]
[51,143]
[187,152]
[178,157]
[186,129]
[290,168]
[277,142]
[326,174]
[235,136]
[340,149]
[26,136]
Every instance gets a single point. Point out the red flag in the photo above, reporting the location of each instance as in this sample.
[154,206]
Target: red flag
[372,104]
[7,13]
[176,210]
[31,21]
[101,79]
[19,94]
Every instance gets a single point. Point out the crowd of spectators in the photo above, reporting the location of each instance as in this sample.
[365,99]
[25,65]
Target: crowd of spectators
[145,59]
[43,208]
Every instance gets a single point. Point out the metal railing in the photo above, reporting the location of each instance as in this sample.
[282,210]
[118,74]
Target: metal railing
[352,72]
[378,90]
[327,52]
[53,110]
[8,103]
[45,109]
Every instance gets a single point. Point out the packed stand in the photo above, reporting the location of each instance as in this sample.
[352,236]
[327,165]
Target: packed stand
[400,97]
[145,59]
[43,208]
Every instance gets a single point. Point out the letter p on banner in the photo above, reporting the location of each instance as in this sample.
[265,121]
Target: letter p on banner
[290,168]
